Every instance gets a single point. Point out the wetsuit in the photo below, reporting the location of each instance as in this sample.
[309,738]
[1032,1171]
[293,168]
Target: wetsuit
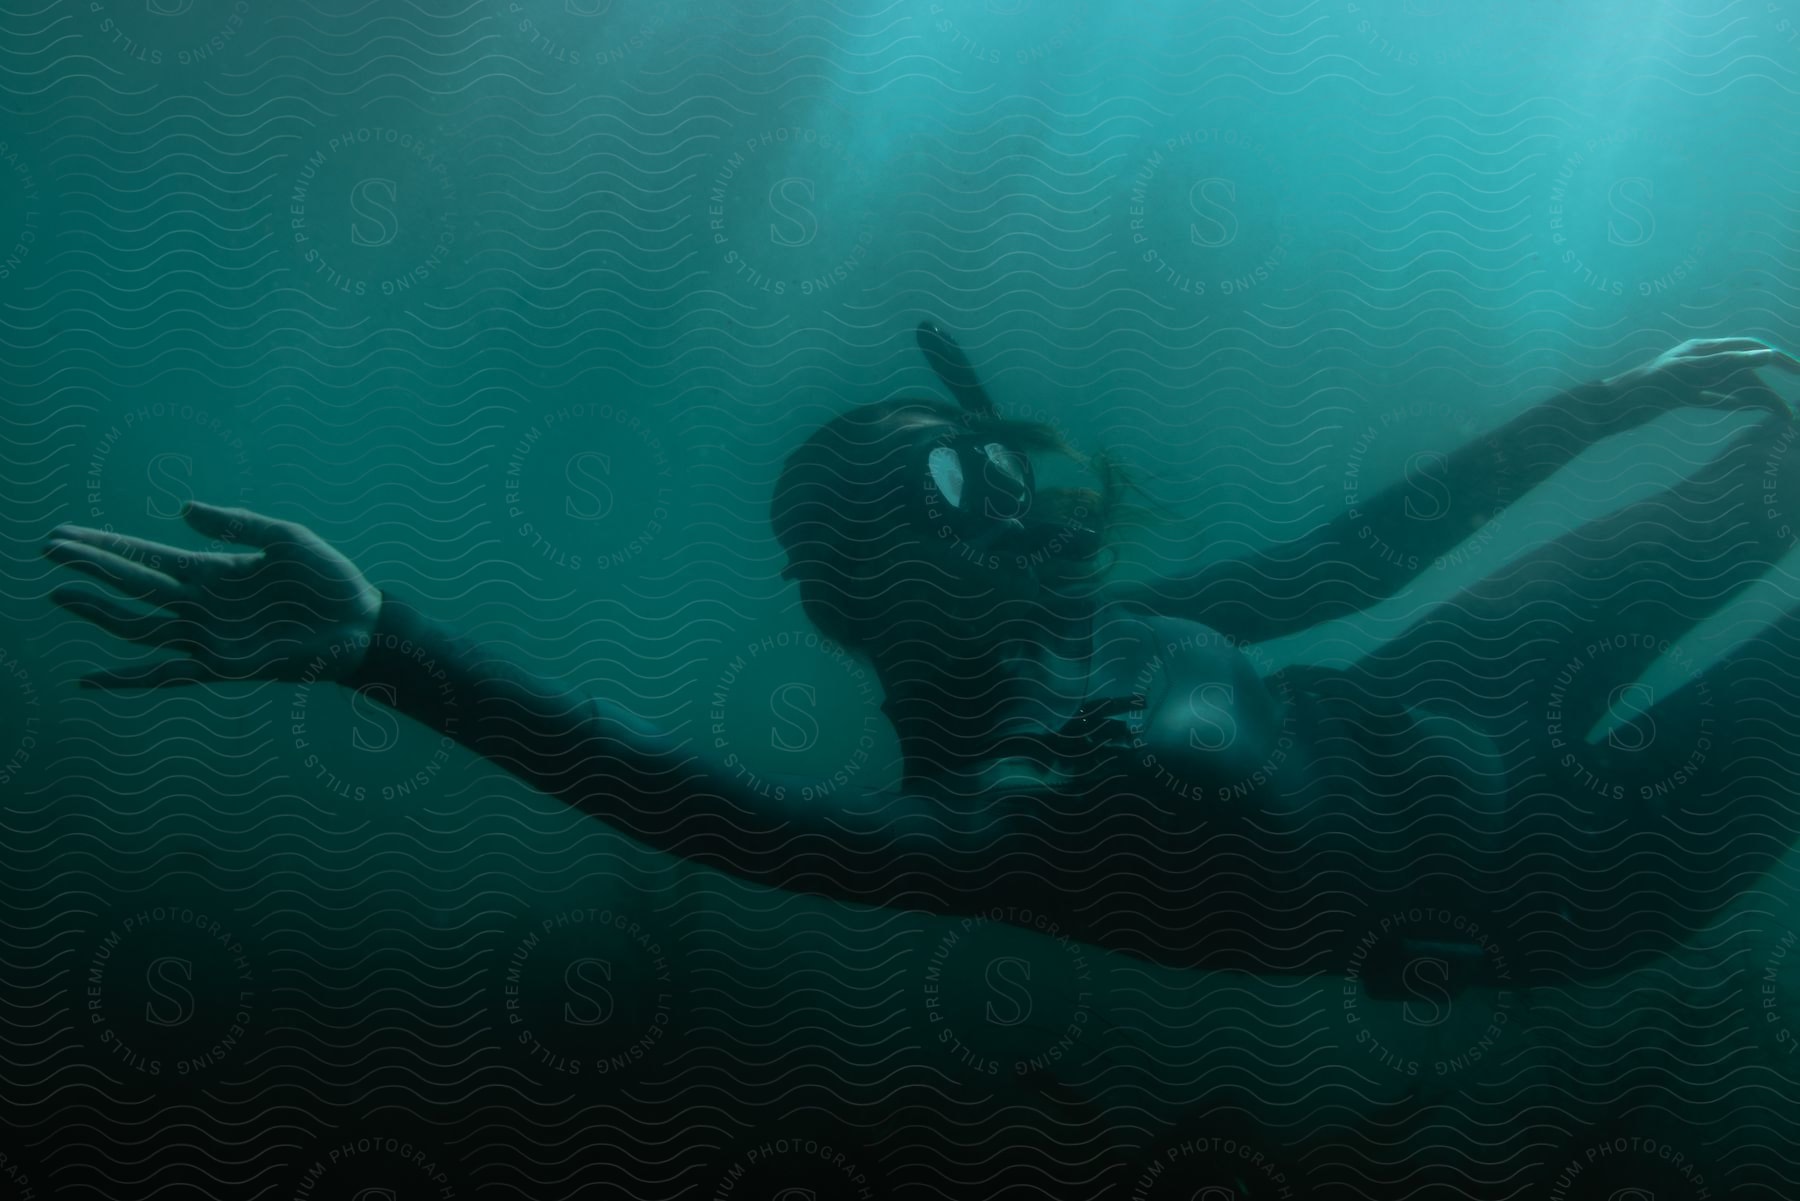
[1196,813]
[1442,797]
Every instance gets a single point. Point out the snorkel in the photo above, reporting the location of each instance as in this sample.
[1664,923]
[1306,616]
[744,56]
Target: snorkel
[953,368]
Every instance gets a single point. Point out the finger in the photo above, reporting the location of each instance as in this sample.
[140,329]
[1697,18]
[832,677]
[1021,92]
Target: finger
[1755,397]
[113,615]
[1765,356]
[159,555]
[239,525]
[1713,345]
[131,578]
[165,673]
[1783,360]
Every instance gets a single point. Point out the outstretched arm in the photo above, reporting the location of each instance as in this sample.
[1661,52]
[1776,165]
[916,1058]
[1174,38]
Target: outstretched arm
[1293,586]
[878,847]
[283,604]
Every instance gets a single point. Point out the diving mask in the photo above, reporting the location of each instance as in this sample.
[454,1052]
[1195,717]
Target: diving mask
[980,494]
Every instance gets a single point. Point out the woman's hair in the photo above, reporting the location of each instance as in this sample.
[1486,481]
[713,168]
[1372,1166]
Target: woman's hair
[844,507]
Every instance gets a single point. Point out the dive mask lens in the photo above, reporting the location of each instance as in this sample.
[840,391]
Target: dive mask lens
[1007,485]
[984,484]
[945,467]
[986,491]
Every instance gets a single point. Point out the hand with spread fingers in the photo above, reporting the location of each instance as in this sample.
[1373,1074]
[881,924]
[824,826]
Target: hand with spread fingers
[287,607]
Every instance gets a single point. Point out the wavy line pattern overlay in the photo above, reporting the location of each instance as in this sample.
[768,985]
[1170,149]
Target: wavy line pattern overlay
[647,854]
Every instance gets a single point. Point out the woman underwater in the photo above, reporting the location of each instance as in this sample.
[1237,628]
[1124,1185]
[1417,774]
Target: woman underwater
[1107,755]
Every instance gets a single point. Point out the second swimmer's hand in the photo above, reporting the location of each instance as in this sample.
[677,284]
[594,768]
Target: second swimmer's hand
[1712,372]
[288,607]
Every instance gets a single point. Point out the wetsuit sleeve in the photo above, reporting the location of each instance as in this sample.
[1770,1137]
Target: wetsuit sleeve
[1293,586]
[877,847]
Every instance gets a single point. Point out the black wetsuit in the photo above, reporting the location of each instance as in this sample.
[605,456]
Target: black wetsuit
[1349,836]
[1441,798]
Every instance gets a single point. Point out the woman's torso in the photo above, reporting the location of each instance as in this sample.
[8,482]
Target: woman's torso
[1223,805]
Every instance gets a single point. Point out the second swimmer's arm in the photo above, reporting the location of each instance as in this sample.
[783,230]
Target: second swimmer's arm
[878,848]
[1293,586]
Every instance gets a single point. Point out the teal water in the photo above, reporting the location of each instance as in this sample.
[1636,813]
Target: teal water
[521,304]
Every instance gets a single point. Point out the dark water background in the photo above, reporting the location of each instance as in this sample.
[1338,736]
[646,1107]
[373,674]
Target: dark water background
[521,302]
